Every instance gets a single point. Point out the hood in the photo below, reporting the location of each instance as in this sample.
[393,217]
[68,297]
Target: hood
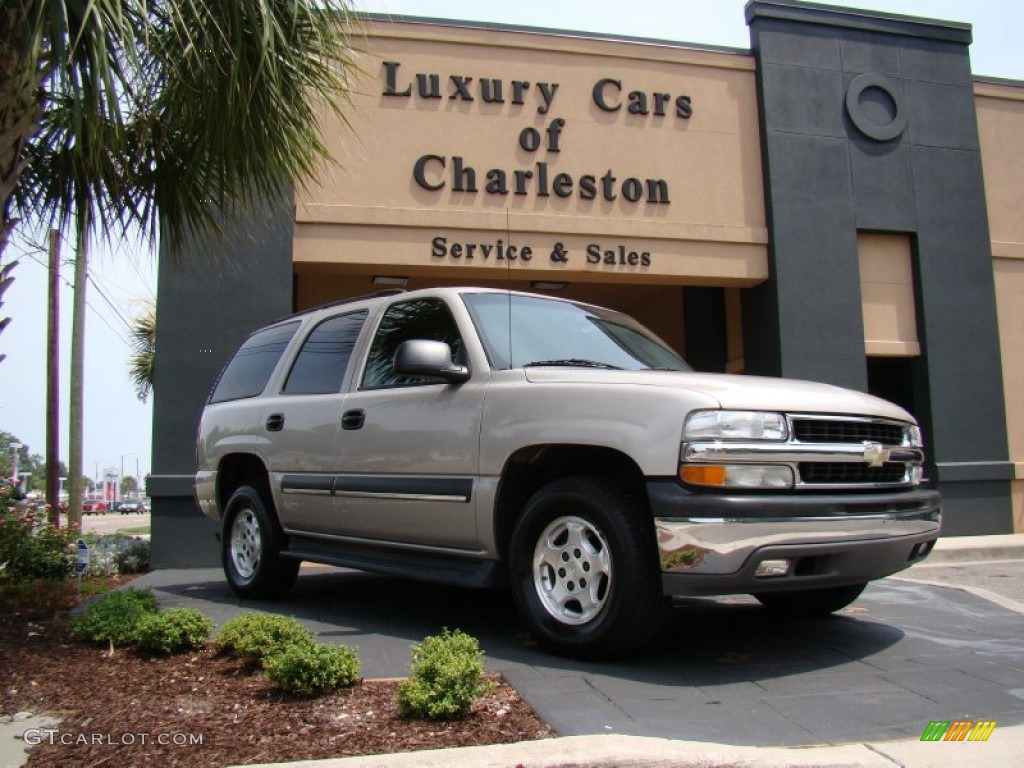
[755,393]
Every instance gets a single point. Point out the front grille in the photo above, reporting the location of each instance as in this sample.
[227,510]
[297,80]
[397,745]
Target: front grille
[842,431]
[829,473]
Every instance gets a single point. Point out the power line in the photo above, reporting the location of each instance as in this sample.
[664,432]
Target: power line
[110,304]
[99,314]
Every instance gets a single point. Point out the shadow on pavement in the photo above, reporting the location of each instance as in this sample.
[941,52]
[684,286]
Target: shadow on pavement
[706,641]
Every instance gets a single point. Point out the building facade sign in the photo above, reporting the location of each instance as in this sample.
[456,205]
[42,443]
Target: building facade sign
[541,153]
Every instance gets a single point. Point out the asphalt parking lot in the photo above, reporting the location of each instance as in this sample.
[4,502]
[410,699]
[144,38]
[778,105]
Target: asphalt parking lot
[724,671]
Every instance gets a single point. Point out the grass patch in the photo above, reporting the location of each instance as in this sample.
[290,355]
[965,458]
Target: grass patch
[138,530]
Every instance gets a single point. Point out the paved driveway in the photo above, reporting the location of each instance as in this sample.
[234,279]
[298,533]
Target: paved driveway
[724,671]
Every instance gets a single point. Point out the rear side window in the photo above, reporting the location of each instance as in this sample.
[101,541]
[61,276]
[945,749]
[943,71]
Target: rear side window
[320,365]
[249,370]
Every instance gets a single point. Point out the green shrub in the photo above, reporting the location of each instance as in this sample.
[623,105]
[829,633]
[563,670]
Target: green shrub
[133,555]
[312,670]
[255,636]
[172,631]
[115,617]
[446,671]
[31,548]
[116,553]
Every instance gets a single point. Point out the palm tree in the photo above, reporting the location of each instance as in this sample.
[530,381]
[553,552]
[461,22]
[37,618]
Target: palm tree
[173,115]
[140,365]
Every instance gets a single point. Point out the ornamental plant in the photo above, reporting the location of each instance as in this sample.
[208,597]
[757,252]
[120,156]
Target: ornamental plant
[30,547]
[115,617]
[172,631]
[256,636]
[312,670]
[445,677]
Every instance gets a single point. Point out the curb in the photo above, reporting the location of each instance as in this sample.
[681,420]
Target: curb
[965,549]
[1005,747]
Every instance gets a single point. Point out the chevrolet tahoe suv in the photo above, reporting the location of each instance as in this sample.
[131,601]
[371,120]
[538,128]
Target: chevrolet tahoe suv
[484,437]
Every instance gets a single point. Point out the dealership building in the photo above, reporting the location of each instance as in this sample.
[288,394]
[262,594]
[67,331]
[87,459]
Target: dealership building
[842,202]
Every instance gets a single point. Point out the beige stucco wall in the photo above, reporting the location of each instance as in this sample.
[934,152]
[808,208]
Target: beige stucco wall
[369,216]
[887,295]
[1000,111]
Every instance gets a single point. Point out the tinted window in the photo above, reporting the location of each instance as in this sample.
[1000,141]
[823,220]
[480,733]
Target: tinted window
[247,373]
[425,319]
[321,363]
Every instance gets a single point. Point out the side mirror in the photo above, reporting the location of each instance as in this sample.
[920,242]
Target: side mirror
[420,357]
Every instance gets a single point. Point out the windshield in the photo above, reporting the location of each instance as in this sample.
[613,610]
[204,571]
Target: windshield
[559,333]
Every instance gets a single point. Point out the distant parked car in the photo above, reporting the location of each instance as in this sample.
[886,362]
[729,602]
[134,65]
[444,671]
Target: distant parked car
[133,508]
[94,507]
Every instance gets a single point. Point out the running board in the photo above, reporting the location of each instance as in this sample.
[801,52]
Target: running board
[439,569]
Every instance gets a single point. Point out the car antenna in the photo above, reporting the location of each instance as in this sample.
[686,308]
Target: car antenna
[508,283]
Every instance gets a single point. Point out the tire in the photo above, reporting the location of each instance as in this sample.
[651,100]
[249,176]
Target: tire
[809,603]
[250,548]
[606,600]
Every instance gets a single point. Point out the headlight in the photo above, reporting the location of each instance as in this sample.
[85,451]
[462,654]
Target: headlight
[735,425]
[913,436]
[769,476]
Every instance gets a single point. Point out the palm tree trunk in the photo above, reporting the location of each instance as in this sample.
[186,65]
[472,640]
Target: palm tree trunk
[77,377]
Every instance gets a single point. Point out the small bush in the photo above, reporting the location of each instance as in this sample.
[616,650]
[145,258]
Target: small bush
[133,555]
[31,548]
[255,636]
[172,631]
[115,617]
[446,671]
[312,670]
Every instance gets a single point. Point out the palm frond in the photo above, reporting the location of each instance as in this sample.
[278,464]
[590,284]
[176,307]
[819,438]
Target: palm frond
[142,362]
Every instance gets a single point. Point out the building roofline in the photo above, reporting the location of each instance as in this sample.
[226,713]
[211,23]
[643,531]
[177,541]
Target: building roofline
[858,18]
[500,27]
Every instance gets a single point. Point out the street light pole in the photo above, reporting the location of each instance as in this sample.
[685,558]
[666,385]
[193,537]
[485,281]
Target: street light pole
[15,447]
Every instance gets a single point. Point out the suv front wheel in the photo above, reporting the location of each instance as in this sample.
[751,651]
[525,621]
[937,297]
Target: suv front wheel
[583,568]
[251,546]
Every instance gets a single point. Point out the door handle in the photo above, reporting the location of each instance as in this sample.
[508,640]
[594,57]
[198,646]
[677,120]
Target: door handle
[353,419]
[275,422]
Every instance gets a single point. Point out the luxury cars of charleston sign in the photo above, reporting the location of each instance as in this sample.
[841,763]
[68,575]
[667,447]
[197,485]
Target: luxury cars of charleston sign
[437,172]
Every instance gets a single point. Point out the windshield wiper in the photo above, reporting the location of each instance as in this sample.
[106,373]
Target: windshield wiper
[574,362]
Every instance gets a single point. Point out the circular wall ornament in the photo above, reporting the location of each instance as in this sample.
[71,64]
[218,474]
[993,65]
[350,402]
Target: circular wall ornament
[862,120]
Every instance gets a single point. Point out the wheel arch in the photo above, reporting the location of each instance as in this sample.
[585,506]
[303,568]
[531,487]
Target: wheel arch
[532,467]
[238,469]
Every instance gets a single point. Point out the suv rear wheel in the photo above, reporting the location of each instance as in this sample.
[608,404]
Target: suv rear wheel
[583,568]
[251,546]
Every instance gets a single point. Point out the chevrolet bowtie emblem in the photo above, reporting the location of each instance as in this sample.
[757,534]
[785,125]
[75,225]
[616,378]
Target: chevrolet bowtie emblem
[875,454]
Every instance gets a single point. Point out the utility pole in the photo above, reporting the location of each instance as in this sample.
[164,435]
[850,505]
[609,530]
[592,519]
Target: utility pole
[53,381]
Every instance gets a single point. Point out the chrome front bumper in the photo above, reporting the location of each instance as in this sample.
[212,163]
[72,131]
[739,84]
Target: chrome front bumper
[827,541]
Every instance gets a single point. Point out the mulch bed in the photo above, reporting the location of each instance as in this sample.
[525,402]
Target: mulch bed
[203,709]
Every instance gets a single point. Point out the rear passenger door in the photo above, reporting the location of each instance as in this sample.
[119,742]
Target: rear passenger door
[408,449]
[300,423]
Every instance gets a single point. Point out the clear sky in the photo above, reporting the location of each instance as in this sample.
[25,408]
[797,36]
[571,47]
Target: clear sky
[118,426]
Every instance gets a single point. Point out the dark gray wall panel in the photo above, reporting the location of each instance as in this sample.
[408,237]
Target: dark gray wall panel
[803,99]
[863,52]
[957,298]
[907,161]
[208,301]
[975,508]
[883,186]
[932,61]
[943,116]
[789,47]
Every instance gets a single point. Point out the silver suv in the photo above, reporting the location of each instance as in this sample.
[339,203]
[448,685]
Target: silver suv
[482,437]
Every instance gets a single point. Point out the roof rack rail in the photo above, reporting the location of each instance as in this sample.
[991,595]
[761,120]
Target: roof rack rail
[342,302]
